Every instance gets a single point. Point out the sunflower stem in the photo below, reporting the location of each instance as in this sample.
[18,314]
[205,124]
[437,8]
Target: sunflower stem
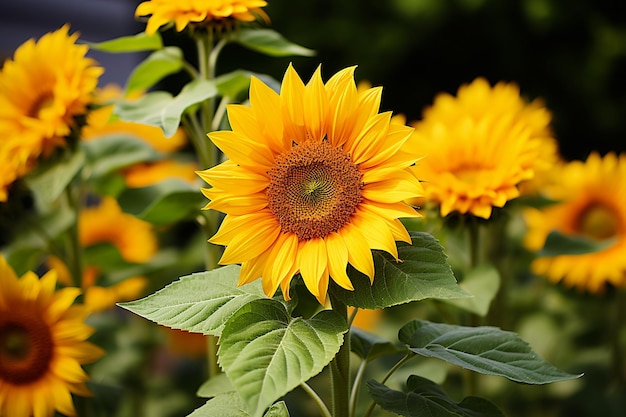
[73,248]
[617,355]
[397,366]
[316,398]
[475,247]
[340,367]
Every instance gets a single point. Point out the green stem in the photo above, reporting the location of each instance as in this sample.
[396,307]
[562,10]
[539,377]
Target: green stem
[401,362]
[73,247]
[340,368]
[324,410]
[355,386]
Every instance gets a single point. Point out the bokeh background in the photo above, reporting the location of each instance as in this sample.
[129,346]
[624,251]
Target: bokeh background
[571,53]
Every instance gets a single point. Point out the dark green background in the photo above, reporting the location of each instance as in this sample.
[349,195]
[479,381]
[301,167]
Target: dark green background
[572,53]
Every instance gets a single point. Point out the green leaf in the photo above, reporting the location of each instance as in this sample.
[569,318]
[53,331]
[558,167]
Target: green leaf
[423,273]
[370,346]
[483,283]
[424,398]
[214,386]
[230,405]
[154,68]
[270,42]
[266,353]
[200,303]
[135,43]
[161,109]
[52,177]
[163,203]
[485,349]
[559,244]
[113,152]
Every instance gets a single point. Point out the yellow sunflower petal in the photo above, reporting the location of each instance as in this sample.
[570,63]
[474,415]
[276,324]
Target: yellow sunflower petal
[338,260]
[313,262]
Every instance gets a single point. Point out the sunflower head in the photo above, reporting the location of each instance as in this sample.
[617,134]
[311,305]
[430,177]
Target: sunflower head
[480,145]
[590,198]
[316,178]
[199,13]
[106,223]
[42,345]
[45,90]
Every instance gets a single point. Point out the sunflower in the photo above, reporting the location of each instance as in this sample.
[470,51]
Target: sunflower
[44,89]
[106,223]
[481,145]
[590,197]
[42,346]
[316,177]
[143,175]
[186,12]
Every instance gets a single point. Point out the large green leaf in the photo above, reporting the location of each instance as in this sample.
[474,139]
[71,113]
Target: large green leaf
[154,68]
[135,43]
[112,152]
[266,353]
[270,42]
[370,346]
[424,398]
[557,244]
[52,177]
[214,386]
[422,273]
[161,109]
[163,203]
[485,349]
[200,303]
[483,283]
[229,404]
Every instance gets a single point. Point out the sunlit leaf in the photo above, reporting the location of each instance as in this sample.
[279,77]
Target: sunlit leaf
[266,353]
[483,283]
[163,203]
[200,303]
[154,68]
[214,386]
[559,244]
[422,273]
[229,404]
[135,43]
[270,42]
[424,398]
[161,109]
[370,346]
[485,349]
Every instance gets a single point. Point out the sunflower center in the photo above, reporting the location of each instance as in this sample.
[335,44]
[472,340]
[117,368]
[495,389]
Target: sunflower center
[598,222]
[42,103]
[314,189]
[26,348]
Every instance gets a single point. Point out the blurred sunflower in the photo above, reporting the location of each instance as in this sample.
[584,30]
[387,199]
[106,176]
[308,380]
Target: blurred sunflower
[44,90]
[42,346]
[480,145]
[315,180]
[591,198]
[106,223]
[186,12]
